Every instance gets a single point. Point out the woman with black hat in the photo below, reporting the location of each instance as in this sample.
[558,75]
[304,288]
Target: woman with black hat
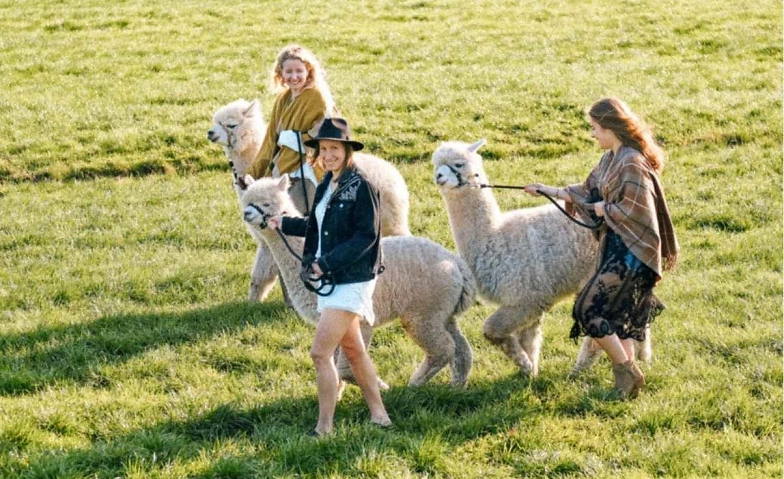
[342,246]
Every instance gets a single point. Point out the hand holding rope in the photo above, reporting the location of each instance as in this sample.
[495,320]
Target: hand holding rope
[597,225]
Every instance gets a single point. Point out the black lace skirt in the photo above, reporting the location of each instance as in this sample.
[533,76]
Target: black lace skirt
[618,298]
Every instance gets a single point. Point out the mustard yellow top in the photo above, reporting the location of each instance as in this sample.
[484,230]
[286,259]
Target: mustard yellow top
[300,114]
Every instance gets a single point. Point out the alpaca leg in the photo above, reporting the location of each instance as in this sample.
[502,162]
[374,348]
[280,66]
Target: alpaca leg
[263,274]
[286,300]
[531,339]
[343,366]
[464,357]
[431,335]
[500,330]
[589,353]
[643,350]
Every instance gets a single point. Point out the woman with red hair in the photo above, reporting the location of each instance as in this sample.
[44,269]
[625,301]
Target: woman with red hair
[624,191]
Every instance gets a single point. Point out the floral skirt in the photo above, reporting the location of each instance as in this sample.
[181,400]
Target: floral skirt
[619,298]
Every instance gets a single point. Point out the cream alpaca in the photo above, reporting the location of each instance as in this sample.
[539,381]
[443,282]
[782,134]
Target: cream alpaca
[524,260]
[423,284]
[240,128]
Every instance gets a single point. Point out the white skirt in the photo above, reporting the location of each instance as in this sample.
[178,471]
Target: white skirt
[354,297]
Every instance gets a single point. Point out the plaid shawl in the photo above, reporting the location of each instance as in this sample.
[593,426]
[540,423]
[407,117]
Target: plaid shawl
[635,207]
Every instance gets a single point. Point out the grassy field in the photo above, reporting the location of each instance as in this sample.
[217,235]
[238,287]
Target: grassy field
[126,346]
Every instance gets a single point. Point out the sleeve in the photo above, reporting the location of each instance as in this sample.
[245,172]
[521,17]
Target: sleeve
[366,228]
[580,195]
[309,111]
[292,226]
[313,114]
[260,165]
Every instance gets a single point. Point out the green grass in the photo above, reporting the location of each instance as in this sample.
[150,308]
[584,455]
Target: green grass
[126,346]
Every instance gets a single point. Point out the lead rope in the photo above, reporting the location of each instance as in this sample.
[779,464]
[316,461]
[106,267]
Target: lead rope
[596,226]
[305,276]
[302,173]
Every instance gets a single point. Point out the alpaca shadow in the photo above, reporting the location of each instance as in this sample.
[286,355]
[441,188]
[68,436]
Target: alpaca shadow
[428,418]
[75,353]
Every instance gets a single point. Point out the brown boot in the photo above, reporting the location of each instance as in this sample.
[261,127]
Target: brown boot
[628,378]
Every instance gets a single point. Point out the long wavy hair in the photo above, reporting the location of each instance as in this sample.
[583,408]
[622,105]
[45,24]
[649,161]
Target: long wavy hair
[616,116]
[317,77]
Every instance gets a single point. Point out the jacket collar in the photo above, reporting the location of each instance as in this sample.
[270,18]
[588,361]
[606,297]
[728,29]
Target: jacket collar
[346,176]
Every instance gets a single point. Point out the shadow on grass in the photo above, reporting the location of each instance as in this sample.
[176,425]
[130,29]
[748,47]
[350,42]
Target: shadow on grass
[271,439]
[62,355]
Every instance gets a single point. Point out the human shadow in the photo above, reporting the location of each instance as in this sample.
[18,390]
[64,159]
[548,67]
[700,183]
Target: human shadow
[75,353]
[425,419]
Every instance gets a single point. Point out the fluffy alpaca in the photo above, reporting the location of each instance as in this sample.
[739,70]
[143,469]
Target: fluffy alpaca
[423,284]
[240,128]
[525,260]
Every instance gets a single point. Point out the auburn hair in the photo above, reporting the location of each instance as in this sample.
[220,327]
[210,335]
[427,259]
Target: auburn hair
[615,115]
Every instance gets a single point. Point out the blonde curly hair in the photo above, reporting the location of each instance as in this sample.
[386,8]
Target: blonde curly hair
[317,77]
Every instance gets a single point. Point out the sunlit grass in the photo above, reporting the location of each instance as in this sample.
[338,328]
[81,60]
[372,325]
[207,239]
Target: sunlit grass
[126,346]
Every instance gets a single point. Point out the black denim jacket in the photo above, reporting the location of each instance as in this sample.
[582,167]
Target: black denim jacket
[350,233]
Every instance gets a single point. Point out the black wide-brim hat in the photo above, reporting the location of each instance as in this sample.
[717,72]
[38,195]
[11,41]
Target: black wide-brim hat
[335,129]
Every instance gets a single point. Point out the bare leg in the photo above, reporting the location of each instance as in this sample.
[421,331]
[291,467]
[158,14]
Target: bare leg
[333,327]
[613,346]
[628,346]
[344,368]
[364,372]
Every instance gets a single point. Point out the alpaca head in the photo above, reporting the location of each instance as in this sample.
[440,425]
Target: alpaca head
[458,164]
[236,124]
[266,197]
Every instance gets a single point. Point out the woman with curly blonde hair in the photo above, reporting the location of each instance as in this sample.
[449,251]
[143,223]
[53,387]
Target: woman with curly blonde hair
[625,191]
[304,100]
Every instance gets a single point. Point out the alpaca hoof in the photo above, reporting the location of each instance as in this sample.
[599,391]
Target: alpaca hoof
[526,367]
[576,371]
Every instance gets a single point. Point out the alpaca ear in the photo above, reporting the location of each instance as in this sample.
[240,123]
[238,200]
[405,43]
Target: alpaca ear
[284,182]
[252,109]
[473,148]
[249,180]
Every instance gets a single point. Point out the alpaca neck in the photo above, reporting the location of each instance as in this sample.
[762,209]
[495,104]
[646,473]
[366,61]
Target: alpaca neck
[474,216]
[289,266]
[250,144]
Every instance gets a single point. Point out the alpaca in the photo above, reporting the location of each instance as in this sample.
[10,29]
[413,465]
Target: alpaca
[524,260]
[423,284]
[239,127]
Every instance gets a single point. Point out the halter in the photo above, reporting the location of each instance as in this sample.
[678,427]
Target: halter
[460,181]
[230,139]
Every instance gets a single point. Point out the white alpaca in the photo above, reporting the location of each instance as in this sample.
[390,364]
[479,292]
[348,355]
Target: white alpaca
[423,284]
[524,260]
[240,128]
